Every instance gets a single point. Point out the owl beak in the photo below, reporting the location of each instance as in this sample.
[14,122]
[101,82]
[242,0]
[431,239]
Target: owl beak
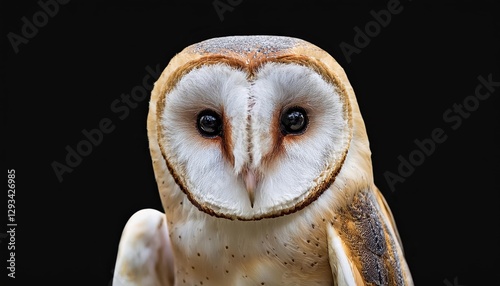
[250,181]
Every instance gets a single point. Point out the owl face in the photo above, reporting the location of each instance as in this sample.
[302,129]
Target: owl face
[253,134]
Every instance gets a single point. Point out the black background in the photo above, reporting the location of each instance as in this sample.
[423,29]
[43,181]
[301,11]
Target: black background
[66,77]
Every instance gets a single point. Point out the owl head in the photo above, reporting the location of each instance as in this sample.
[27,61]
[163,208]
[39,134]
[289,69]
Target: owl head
[254,127]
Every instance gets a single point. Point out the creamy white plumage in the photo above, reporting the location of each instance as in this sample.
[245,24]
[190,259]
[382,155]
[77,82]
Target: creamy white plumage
[263,166]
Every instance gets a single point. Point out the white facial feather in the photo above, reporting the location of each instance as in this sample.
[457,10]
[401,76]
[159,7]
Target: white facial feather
[281,86]
[207,173]
[251,107]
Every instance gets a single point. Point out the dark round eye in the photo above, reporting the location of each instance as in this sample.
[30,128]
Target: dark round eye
[293,121]
[209,123]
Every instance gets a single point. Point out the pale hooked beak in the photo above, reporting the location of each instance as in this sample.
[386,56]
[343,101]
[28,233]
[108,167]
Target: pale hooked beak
[250,180]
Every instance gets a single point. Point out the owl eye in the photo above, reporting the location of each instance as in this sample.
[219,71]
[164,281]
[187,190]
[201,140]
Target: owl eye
[209,123]
[293,121]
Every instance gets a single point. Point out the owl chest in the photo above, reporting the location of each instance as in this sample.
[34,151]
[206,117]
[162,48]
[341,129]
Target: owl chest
[243,253]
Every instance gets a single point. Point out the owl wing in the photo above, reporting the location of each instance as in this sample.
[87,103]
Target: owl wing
[363,244]
[343,268]
[144,253]
[387,215]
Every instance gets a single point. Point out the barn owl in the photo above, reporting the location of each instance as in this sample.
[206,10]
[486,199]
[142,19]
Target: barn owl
[264,170]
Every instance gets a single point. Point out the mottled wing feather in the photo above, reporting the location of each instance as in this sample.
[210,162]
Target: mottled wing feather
[387,213]
[389,218]
[369,244]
